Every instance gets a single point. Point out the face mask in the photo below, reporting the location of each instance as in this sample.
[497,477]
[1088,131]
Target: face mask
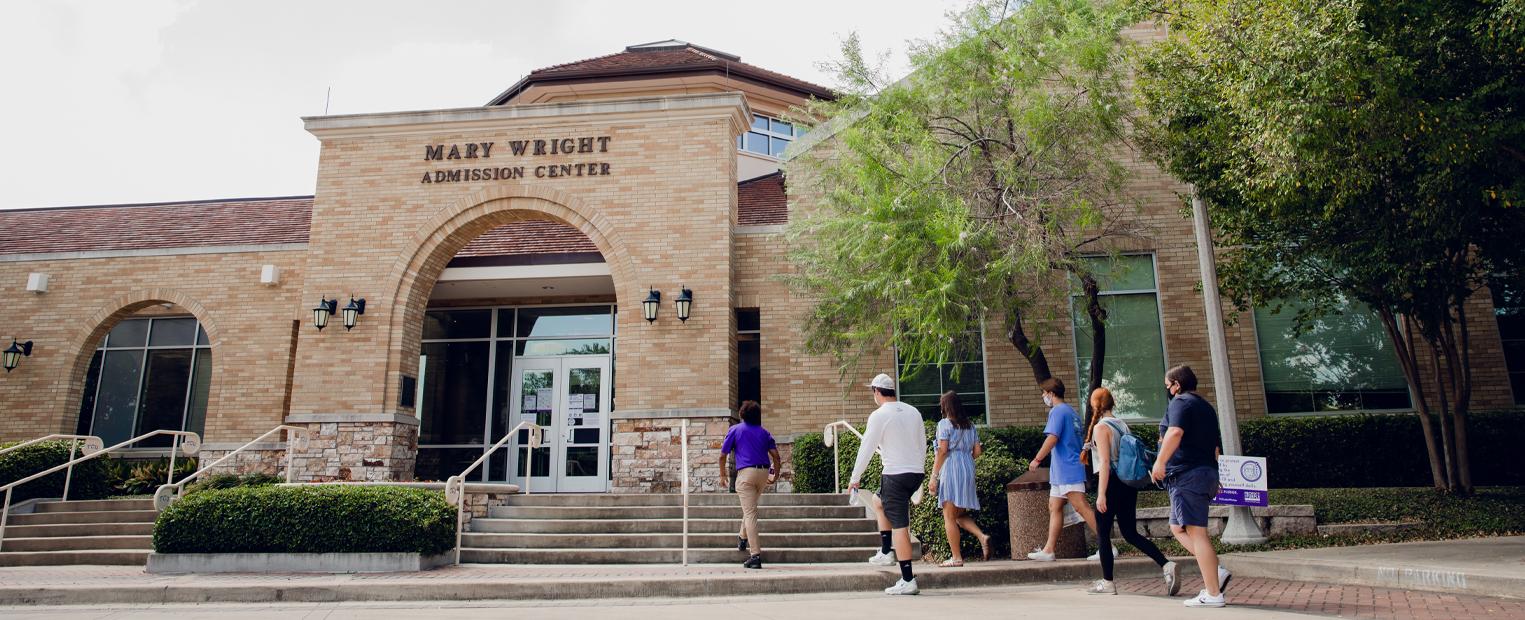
[1048,400]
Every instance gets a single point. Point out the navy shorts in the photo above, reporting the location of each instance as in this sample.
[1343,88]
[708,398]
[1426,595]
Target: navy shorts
[895,493]
[1191,492]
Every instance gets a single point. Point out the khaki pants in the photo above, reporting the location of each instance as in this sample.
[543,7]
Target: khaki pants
[750,483]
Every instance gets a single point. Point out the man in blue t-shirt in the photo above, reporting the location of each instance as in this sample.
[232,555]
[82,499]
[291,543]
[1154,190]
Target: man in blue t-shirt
[1188,465]
[1066,476]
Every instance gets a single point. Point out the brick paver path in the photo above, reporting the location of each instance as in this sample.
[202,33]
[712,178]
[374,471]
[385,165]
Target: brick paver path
[1342,601]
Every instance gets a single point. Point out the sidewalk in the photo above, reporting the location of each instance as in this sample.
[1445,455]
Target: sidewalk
[1479,566]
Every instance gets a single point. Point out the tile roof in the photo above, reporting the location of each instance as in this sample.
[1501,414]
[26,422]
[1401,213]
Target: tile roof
[762,201]
[529,237]
[662,57]
[241,221]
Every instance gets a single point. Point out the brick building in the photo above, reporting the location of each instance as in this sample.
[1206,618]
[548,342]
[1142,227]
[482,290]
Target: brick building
[503,254]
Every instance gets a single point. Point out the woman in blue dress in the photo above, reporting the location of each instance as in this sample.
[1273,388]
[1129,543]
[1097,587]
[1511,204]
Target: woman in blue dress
[958,444]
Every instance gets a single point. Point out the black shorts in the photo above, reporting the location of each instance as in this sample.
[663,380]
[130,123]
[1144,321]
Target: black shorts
[895,493]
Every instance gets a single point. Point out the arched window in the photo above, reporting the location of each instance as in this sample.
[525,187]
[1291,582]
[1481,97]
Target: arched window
[148,374]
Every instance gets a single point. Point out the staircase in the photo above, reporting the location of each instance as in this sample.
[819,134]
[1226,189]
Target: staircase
[648,529]
[107,531]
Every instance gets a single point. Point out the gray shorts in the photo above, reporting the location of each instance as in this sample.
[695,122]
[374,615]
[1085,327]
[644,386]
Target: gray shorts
[1191,493]
[895,493]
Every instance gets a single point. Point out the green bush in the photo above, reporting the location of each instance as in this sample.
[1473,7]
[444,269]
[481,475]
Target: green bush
[307,519]
[995,467]
[91,478]
[231,481]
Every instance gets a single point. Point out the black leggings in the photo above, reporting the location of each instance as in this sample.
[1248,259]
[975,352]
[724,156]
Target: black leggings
[1122,506]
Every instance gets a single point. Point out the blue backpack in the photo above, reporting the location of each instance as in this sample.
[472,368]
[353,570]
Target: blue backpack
[1134,460]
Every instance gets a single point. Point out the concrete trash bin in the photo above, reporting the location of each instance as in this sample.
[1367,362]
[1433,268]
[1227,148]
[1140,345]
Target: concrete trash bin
[1027,510]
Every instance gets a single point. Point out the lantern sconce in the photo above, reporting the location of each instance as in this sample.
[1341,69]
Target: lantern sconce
[13,354]
[653,301]
[324,310]
[685,303]
[355,308]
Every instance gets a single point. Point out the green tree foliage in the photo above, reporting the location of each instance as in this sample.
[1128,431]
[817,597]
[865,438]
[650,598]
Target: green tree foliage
[1353,149]
[970,189]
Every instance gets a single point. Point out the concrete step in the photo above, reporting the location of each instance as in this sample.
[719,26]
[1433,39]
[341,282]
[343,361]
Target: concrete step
[671,512]
[859,540]
[119,557]
[665,526]
[90,516]
[674,499]
[782,555]
[95,505]
[76,543]
[78,529]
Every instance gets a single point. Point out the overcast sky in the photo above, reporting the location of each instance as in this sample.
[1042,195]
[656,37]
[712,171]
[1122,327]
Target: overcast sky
[158,100]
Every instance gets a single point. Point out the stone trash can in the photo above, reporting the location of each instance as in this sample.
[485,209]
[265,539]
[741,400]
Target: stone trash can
[1027,510]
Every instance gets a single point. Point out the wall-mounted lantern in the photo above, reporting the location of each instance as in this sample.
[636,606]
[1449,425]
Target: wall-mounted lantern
[355,308]
[685,303]
[13,354]
[653,301]
[324,310]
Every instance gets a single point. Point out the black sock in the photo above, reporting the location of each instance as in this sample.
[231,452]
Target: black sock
[905,570]
[884,541]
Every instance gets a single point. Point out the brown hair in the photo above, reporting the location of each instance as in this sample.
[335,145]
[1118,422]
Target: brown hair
[1101,402]
[953,409]
[1183,375]
[750,412]
[1052,385]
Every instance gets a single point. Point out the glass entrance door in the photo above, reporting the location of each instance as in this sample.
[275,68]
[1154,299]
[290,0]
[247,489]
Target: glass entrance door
[569,398]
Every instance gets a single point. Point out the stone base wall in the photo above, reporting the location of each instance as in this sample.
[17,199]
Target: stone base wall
[252,461]
[477,505]
[1273,520]
[356,448]
[647,454]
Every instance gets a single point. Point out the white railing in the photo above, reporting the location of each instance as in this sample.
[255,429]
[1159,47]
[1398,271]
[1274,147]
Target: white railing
[457,484]
[296,439]
[190,445]
[92,444]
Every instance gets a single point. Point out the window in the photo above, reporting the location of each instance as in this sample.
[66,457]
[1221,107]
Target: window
[748,356]
[1134,365]
[1509,307]
[769,136]
[922,387]
[147,375]
[1343,362]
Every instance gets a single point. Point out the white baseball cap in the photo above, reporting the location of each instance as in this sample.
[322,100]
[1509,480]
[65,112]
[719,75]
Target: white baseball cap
[883,381]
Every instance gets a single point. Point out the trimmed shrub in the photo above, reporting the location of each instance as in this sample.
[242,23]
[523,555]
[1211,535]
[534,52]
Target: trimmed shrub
[231,481]
[92,479]
[307,519]
[992,471]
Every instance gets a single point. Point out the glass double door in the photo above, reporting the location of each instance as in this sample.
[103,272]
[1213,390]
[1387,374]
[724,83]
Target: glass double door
[568,397]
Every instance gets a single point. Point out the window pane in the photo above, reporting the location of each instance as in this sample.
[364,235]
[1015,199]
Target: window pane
[87,402]
[1509,307]
[164,392]
[1343,362]
[502,382]
[116,403]
[1135,359]
[799,130]
[454,393]
[971,378]
[1122,273]
[757,143]
[201,385]
[759,122]
[926,404]
[542,348]
[451,324]
[128,333]
[781,127]
[574,321]
[778,146]
[747,320]
[921,380]
[437,464]
[201,335]
[748,372]
[582,461]
[173,332]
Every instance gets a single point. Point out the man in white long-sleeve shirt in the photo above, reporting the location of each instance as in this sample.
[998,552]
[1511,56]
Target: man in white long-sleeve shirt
[896,430]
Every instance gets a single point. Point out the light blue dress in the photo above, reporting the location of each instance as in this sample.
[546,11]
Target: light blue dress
[955,483]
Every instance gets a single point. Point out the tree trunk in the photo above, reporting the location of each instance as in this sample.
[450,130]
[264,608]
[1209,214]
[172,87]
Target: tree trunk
[1461,365]
[1447,438]
[1098,317]
[1029,349]
[1408,362]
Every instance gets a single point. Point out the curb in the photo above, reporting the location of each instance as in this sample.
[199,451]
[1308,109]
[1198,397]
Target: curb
[342,589]
[1375,575]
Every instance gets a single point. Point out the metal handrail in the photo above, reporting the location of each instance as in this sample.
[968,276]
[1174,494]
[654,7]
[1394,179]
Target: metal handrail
[190,446]
[829,437]
[457,484]
[168,493]
[91,446]
[55,436]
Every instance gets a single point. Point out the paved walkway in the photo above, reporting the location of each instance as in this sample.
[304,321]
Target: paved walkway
[1478,566]
[1344,601]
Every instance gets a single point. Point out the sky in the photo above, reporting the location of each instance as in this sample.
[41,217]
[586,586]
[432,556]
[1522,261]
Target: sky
[121,101]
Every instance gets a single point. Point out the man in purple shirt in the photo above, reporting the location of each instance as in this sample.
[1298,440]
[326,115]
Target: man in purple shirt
[756,464]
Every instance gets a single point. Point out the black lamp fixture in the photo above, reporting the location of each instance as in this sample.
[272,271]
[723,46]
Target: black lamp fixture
[323,312]
[653,301]
[685,303]
[355,308]
[14,353]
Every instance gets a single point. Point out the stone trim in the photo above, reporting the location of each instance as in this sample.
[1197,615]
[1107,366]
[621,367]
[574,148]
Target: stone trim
[662,414]
[761,229]
[331,418]
[205,249]
[386,123]
[295,562]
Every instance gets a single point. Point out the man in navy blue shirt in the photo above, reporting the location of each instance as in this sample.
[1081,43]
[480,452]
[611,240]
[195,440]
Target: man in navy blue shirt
[1188,465]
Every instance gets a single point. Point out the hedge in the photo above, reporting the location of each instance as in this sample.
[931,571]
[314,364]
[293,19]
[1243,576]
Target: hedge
[91,480]
[231,481]
[307,519]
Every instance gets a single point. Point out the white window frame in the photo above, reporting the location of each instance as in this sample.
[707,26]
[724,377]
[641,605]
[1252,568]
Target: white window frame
[741,139]
[1154,263]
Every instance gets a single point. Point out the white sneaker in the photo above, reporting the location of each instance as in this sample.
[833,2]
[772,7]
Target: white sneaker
[1102,586]
[1204,600]
[882,559]
[1223,578]
[903,587]
[1040,556]
[1173,579]
[1094,557]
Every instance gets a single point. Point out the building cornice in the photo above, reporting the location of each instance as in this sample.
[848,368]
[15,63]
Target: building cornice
[206,249]
[733,105]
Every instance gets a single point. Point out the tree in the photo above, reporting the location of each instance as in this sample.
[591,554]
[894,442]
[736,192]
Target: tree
[1352,149]
[961,191]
